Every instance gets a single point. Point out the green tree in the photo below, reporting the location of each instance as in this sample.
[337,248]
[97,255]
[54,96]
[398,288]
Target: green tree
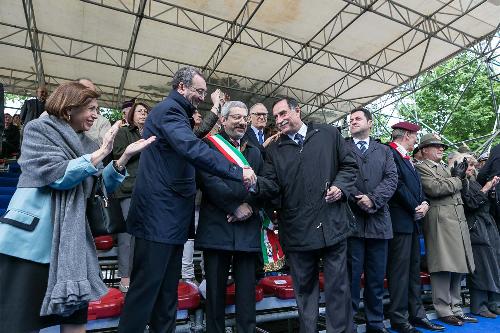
[453,105]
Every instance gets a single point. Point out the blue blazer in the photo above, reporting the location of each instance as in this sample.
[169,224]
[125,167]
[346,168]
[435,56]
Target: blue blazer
[162,206]
[408,196]
[26,227]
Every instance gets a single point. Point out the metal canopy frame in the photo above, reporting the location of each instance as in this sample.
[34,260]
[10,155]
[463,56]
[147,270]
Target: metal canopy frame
[332,102]
[488,53]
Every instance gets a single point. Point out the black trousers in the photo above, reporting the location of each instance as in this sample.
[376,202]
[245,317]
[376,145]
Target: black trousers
[217,264]
[483,300]
[305,274]
[403,275]
[152,296]
[369,256]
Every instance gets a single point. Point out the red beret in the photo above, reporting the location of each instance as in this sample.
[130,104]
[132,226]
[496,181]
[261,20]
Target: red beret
[407,126]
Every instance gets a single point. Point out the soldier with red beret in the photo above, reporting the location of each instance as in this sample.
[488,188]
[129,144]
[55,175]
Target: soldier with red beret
[407,207]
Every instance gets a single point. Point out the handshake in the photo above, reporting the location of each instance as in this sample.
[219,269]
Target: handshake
[249,177]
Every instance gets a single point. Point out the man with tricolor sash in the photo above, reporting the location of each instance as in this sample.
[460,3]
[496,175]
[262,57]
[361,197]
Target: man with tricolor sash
[313,171]
[229,226]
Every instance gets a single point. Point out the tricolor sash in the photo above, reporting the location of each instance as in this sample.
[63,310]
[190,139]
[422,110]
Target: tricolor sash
[274,258]
[228,150]
[272,252]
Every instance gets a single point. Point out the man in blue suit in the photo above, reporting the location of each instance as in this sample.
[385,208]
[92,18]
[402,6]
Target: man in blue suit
[407,208]
[162,206]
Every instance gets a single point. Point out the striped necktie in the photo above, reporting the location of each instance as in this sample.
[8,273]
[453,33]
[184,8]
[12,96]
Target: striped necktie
[362,146]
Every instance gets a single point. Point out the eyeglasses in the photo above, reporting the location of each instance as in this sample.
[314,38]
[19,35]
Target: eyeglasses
[264,115]
[238,117]
[199,91]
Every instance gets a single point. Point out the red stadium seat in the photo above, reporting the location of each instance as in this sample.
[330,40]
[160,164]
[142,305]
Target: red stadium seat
[110,305]
[188,296]
[280,286]
[425,278]
[103,243]
[231,291]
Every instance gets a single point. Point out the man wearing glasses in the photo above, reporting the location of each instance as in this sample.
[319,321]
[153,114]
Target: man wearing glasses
[255,132]
[162,207]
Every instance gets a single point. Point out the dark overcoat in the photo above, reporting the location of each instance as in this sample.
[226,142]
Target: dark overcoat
[222,197]
[299,175]
[377,178]
[484,238]
[162,206]
[409,194]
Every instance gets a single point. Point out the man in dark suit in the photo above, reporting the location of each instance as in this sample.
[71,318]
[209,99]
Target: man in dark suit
[235,239]
[34,107]
[375,184]
[408,206]
[255,132]
[312,170]
[162,207]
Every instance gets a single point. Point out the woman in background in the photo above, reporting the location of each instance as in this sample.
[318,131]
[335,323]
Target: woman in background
[130,133]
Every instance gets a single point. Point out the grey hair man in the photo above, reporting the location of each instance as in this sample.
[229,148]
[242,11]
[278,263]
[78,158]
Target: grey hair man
[238,242]
[258,117]
[408,206]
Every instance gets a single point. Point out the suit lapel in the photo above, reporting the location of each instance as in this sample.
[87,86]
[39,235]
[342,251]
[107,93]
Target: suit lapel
[356,149]
[410,166]
[252,137]
[371,147]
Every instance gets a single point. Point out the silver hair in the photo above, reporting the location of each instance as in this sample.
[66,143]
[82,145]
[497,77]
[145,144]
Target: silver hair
[257,105]
[398,133]
[459,157]
[185,75]
[232,104]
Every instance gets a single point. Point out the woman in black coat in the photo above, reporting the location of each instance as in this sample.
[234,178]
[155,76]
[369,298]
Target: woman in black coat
[126,135]
[484,283]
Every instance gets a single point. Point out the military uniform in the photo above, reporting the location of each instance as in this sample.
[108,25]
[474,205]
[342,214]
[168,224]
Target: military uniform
[447,240]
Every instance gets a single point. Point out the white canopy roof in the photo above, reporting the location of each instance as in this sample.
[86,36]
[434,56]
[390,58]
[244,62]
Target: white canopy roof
[331,55]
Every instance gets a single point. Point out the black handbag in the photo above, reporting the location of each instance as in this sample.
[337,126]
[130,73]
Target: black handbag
[104,213]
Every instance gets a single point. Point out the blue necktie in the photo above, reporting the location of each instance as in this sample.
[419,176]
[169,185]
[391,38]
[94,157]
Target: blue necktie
[261,137]
[362,146]
[299,139]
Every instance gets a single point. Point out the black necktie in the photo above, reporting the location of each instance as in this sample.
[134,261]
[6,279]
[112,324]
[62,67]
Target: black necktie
[362,146]
[299,139]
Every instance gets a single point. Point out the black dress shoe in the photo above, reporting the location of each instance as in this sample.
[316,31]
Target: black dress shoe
[451,320]
[427,324]
[468,319]
[404,328]
[376,330]
[496,310]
